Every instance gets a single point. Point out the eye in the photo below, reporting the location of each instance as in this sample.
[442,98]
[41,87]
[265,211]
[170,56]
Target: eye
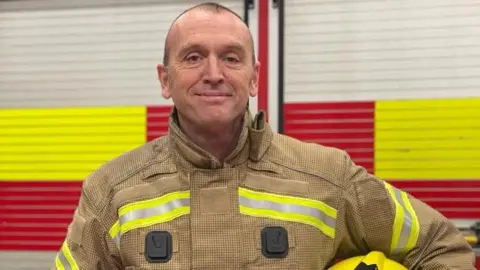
[231,59]
[193,58]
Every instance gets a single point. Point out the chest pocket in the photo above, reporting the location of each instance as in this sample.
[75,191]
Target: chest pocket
[150,217]
[291,231]
[158,246]
[155,247]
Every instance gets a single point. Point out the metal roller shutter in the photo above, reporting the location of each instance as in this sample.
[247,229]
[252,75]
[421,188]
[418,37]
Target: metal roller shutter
[85,56]
[376,50]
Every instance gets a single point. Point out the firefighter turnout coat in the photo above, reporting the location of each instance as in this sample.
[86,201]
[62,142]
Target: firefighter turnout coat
[274,203]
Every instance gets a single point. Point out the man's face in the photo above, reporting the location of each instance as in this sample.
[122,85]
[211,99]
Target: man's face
[210,73]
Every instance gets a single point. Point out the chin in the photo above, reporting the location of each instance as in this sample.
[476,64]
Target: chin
[218,114]
[216,119]
[212,113]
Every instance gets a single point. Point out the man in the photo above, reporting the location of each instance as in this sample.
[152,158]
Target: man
[222,191]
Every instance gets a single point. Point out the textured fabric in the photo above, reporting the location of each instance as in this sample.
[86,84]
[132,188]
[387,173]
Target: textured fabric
[213,234]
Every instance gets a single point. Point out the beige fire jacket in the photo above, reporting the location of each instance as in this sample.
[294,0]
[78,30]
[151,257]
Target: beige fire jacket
[275,203]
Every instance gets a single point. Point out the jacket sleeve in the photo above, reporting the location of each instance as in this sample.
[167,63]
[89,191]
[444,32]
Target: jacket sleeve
[87,244]
[402,227]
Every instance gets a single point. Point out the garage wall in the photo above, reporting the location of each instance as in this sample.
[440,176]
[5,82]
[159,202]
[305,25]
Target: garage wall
[375,50]
[85,56]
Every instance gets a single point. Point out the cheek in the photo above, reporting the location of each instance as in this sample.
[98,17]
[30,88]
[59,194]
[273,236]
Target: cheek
[242,82]
[180,84]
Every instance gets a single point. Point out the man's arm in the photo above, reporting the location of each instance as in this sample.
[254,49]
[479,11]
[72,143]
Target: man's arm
[88,244]
[401,226]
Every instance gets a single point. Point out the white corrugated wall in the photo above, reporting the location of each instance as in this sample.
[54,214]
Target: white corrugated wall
[94,55]
[374,50]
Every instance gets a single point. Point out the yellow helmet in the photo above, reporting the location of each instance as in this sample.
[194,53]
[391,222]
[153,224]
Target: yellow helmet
[374,260]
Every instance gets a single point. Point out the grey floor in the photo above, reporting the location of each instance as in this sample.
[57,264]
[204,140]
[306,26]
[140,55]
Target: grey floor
[26,260]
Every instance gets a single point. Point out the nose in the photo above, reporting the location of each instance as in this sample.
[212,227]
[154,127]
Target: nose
[213,73]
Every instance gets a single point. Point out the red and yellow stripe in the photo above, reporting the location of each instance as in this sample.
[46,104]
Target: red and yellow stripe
[429,148]
[46,153]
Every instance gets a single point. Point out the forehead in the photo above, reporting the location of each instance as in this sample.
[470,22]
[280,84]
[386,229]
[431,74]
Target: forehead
[199,27]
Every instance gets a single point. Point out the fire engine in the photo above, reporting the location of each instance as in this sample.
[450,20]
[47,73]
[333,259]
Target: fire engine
[394,83]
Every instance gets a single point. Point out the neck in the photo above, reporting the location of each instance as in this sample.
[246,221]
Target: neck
[218,140]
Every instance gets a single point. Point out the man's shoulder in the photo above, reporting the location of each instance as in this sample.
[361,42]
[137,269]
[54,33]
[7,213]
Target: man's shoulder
[133,161]
[103,180]
[326,162]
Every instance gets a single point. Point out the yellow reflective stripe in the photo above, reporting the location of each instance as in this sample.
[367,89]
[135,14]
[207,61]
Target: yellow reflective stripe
[65,260]
[406,226]
[288,208]
[329,231]
[398,221]
[58,263]
[154,202]
[149,212]
[325,208]
[145,222]
[115,233]
[415,232]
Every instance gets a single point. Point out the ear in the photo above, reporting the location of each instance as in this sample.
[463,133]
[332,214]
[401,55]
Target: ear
[163,78]
[254,83]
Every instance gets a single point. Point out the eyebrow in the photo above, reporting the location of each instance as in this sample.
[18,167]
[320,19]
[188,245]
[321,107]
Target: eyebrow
[234,46]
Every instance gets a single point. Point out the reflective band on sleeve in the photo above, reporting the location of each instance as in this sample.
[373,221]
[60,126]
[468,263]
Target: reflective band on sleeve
[288,208]
[149,212]
[65,260]
[58,263]
[406,227]
[115,233]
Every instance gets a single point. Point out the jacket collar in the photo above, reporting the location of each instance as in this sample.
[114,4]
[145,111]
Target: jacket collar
[253,143]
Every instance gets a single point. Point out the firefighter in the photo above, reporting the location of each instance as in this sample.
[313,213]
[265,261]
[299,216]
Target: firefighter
[223,191]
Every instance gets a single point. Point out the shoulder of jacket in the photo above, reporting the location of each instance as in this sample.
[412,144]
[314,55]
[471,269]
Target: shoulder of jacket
[99,185]
[328,163]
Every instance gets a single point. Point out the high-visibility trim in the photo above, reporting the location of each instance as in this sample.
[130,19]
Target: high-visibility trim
[58,263]
[149,212]
[288,208]
[115,233]
[406,227]
[65,260]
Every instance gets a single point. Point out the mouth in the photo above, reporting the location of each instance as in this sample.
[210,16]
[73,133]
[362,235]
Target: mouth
[213,95]
[213,98]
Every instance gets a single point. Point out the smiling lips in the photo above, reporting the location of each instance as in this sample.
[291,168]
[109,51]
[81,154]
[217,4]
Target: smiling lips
[214,97]
[213,94]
